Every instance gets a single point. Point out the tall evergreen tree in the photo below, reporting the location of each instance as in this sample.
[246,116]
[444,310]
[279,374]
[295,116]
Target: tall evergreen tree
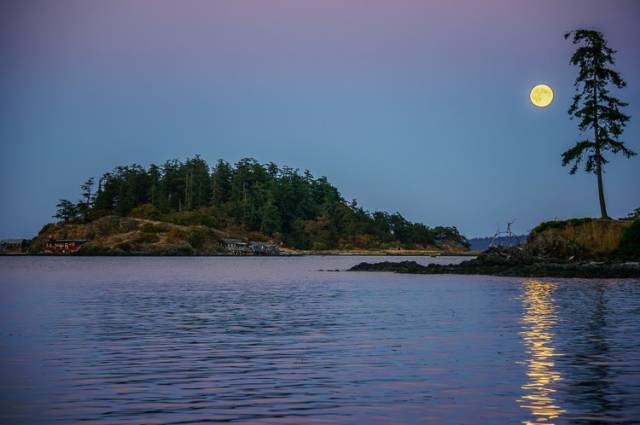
[157,194]
[87,191]
[106,194]
[173,184]
[197,183]
[595,107]
[85,205]
[270,221]
[221,181]
[66,211]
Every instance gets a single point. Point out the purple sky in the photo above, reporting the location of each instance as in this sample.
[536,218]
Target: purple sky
[416,106]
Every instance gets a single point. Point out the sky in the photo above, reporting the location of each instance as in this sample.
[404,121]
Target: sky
[415,106]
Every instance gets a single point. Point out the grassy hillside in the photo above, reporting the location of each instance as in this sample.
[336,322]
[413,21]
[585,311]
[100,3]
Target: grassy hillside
[113,235]
[580,238]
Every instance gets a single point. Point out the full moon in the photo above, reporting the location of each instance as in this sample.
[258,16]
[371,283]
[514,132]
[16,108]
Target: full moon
[541,95]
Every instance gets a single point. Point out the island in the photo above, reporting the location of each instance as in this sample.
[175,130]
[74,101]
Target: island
[191,208]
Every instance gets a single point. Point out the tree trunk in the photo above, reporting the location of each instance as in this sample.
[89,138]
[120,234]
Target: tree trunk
[603,205]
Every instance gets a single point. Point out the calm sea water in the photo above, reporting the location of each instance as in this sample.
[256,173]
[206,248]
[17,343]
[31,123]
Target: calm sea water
[274,340]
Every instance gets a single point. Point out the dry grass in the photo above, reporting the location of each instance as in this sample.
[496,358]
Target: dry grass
[600,237]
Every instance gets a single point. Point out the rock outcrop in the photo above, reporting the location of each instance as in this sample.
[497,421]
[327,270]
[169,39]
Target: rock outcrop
[513,261]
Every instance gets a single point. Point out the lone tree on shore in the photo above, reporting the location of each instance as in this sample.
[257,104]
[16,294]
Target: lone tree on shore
[595,107]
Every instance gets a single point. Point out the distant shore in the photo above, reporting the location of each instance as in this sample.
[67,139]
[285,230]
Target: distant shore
[284,253]
[386,253]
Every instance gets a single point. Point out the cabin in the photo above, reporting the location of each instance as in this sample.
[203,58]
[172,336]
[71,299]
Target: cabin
[13,246]
[63,246]
[239,247]
[236,246]
[264,248]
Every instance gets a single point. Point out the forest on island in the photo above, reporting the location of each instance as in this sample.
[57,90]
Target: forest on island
[249,199]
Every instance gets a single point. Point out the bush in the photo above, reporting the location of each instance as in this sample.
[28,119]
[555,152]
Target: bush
[176,234]
[154,228]
[148,211]
[319,246]
[558,224]
[198,236]
[630,242]
[203,216]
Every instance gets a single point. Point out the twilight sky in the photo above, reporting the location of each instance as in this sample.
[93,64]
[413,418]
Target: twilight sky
[413,106]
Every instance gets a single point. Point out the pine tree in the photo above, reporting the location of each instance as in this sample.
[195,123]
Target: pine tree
[86,204]
[595,108]
[66,211]
[221,182]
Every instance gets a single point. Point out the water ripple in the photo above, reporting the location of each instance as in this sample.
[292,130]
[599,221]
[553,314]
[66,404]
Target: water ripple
[274,340]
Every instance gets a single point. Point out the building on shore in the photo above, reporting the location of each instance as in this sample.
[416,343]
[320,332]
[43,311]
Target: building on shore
[13,246]
[63,246]
[264,248]
[239,247]
[236,246]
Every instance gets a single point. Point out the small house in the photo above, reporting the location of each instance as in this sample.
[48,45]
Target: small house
[63,246]
[236,246]
[264,248]
[13,246]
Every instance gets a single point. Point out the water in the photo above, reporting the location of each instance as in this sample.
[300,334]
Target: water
[274,340]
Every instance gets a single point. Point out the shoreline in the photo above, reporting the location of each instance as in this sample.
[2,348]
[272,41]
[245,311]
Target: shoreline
[294,254]
[487,266]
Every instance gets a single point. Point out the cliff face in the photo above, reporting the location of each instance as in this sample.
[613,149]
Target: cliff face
[113,235]
[579,238]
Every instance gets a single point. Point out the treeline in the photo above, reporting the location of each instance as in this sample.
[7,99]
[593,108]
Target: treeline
[278,202]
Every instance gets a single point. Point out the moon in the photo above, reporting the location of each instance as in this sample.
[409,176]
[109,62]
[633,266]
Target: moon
[541,95]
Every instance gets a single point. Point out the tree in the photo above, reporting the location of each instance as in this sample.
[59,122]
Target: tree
[197,183]
[105,196]
[595,108]
[85,205]
[270,222]
[67,211]
[87,191]
[221,181]
[157,194]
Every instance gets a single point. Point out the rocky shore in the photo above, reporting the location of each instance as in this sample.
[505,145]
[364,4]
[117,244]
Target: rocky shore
[514,261]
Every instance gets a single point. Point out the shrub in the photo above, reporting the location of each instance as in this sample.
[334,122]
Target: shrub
[204,216]
[558,224]
[630,241]
[148,211]
[197,237]
[153,228]
[176,234]
[319,246]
